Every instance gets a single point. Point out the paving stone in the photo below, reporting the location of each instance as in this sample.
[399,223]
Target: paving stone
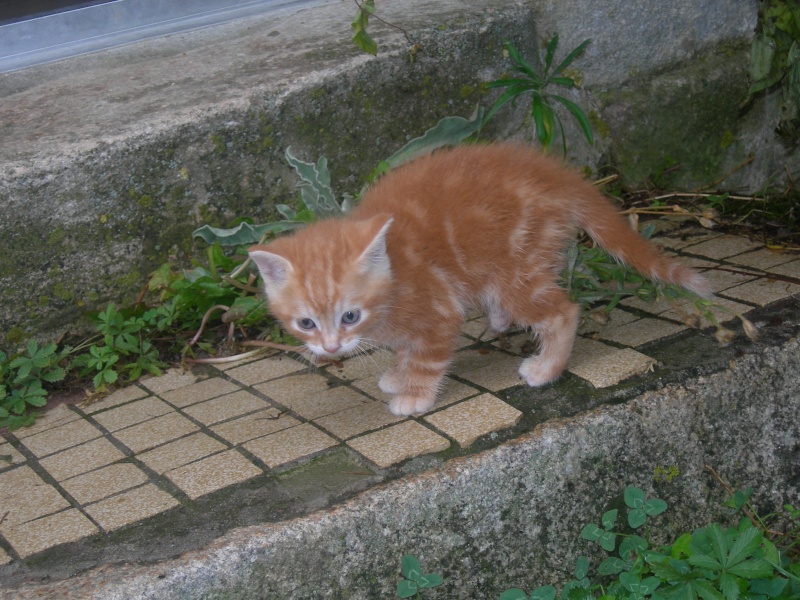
[60,415]
[397,443]
[104,482]
[789,269]
[171,380]
[180,452]
[226,407]
[81,459]
[155,432]
[687,239]
[475,327]
[9,456]
[213,473]
[25,496]
[253,426]
[763,258]
[120,396]
[370,366]
[603,365]
[289,445]
[357,420]
[721,280]
[498,371]
[329,475]
[35,536]
[310,396]
[640,332]
[61,437]
[616,318]
[468,420]
[5,558]
[724,246]
[265,369]
[130,507]
[202,390]
[133,413]
[763,291]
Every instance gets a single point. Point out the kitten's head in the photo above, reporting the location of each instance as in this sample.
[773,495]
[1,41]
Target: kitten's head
[329,283]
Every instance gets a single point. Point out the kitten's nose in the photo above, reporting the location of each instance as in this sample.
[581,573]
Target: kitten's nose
[331,347]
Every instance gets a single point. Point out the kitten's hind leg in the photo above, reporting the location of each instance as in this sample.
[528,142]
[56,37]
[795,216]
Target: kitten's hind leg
[556,333]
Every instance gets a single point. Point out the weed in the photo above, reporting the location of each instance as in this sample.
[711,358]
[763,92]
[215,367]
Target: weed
[415,579]
[545,118]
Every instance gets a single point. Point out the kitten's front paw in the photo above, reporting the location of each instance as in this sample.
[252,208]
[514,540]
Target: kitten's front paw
[538,371]
[410,405]
[389,383]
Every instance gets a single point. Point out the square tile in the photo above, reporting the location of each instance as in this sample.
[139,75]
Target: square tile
[120,396]
[81,459]
[213,473]
[133,413]
[722,279]
[685,239]
[476,327]
[180,452]
[788,269]
[25,496]
[354,421]
[61,437]
[35,536]
[603,365]
[763,291]
[763,259]
[368,366]
[724,246]
[265,369]
[202,390]
[253,426]
[9,456]
[641,331]
[497,371]
[311,396]
[155,432]
[60,415]
[5,558]
[592,324]
[104,482]
[468,420]
[172,379]
[397,443]
[289,445]
[226,407]
[132,506]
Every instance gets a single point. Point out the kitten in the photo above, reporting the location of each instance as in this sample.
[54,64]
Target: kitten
[474,226]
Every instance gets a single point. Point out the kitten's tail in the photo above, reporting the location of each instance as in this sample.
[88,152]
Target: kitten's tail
[601,220]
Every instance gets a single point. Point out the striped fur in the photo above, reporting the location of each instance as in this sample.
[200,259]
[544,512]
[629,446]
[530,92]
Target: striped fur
[474,226]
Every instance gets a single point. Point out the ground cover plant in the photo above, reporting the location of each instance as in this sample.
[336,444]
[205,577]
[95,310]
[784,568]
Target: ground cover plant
[756,559]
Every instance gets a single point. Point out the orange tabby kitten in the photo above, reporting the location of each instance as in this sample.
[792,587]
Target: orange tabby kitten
[474,226]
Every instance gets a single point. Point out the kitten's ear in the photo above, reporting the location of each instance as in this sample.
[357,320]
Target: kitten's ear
[374,258]
[274,269]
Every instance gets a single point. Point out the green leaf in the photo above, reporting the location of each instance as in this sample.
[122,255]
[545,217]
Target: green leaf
[704,561]
[544,592]
[429,580]
[581,567]
[748,542]
[609,519]
[611,566]
[608,541]
[243,234]
[447,132]
[364,42]
[580,116]
[571,56]
[729,587]
[752,569]
[406,589]
[514,594]
[634,497]
[654,507]
[591,532]
[739,499]
[551,50]
[719,546]
[410,567]
[315,185]
[769,587]
[681,546]
[636,518]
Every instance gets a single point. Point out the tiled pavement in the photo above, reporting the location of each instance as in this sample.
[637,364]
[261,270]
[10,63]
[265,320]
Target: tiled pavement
[165,442]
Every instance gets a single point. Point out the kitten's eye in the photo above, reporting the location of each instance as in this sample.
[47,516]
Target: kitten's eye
[351,317]
[306,324]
